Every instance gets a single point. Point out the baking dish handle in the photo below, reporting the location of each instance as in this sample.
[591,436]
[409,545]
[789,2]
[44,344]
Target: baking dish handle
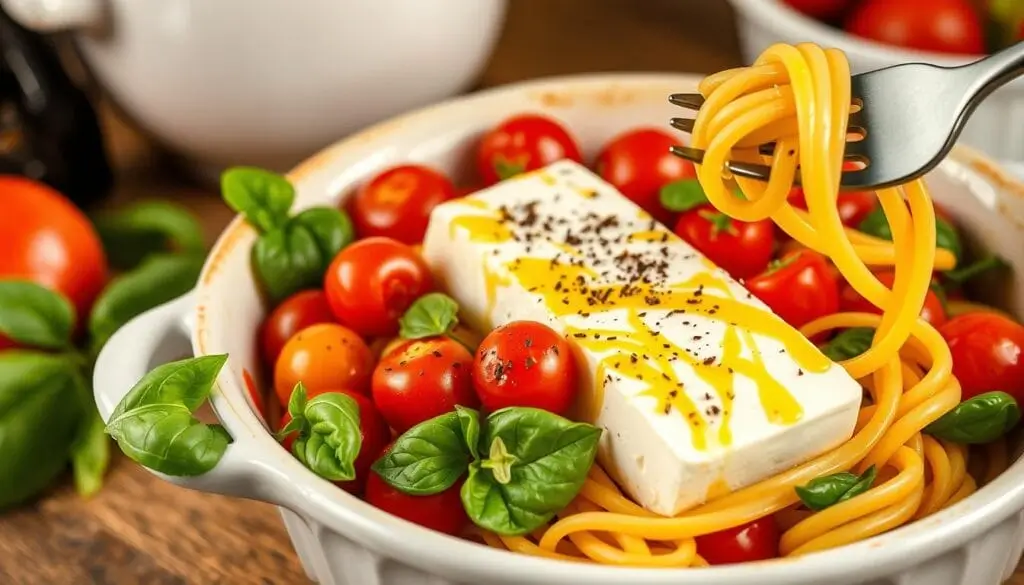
[153,338]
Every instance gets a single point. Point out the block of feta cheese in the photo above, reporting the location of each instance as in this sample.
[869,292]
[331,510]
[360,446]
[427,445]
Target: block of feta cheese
[699,387]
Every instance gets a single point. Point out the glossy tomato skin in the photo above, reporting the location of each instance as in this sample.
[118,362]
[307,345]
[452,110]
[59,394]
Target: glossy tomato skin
[800,289]
[522,143]
[442,512]
[301,310]
[323,357]
[743,249]
[639,163]
[422,379]
[850,301]
[821,9]
[756,541]
[945,26]
[372,282]
[988,353]
[397,202]
[525,363]
[853,206]
[47,240]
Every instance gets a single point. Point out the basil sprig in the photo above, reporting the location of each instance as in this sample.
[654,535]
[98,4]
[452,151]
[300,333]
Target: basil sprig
[980,419]
[682,195]
[293,251]
[329,438]
[848,344]
[524,464]
[829,490]
[946,236]
[35,316]
[132,234]
[432,315]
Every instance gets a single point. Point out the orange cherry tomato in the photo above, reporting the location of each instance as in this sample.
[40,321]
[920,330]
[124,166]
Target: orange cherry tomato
[323,357]
[294,314]
[397,202]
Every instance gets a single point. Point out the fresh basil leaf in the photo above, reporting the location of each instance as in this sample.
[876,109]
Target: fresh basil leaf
[296,409]
[159,279]
[131,234]
[946,236]
[428,458]
[849,344]
[431,315]
[90,453]
[682,195]
[469,420]
[296,256]
[263,197]
[331,228]
[542,462]
[40,414]
[829,490]
[961,275]
[330,439]
[187,382]
[876,224]
[980,419]
[34,315]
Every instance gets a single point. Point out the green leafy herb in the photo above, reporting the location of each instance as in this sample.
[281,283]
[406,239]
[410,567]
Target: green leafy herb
[682,195]
[34,315]
[506,169]
[431,315]
[430,457]
[469,420]
[980,419]
[329,437]
[90,453]
[849,344]
[946,236]
[263,197]
[827,491]
[154,423]
[131,234]
[961,275]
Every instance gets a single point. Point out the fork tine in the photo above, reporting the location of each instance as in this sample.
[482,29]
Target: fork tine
[691,154]
[684,124]
[687,100]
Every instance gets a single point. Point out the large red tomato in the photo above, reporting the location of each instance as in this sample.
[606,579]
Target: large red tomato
[988,353]
[945,26]
[820,9]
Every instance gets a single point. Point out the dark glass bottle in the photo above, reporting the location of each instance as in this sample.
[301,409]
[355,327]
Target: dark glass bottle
[48,129]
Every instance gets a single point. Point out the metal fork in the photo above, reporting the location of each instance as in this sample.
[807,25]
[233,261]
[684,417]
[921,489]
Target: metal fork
[910,117]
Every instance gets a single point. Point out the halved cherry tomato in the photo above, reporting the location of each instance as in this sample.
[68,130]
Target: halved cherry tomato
[397,202]
[756,541]
[294,314]
[421,379]
[526,142]
[800,287]
[373,430]
[820,9]
[525,363]
[850,301]
[988,353]
[372,282]
[743,249]
[639,163]
[442,512]
[945,26]
[323,357]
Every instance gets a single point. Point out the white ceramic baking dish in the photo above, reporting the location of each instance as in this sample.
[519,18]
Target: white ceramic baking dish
[342,540]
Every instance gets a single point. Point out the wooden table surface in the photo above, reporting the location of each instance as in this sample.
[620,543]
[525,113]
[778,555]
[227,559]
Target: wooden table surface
[142,531]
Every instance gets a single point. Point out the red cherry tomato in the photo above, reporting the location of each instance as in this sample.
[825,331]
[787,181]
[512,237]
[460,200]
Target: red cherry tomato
[47,240]
[987,353]
[526,142]
[301,310]
[743,249]
[254,393]
[800,287]
[397,203]
[323,357]
[639,164]
[442,512]
[422,379]
[372,282]
[756,541]
[525,363]
[945,26]
[372,428]
[820,9]
[850,301]
[854,206]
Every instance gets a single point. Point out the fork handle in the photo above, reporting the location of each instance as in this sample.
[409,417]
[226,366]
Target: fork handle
[996,70]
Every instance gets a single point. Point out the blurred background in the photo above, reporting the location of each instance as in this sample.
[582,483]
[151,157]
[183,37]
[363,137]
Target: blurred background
[123,101]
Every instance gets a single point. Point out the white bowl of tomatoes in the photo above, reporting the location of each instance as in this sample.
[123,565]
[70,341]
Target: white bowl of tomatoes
[354,315]
[880,33]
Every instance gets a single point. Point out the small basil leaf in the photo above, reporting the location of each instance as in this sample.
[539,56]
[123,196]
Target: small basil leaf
[297,401]
[469,420]
[428,458]
[131,234]
[187,382]
[263,197]
[876,224]
[682,195]
[946,236]
[159,279]
[544,460]
[330,441]
[980,419]
[34,315]
[39,416]
[849,344]
[168,438]
[961,275]
[829,490]
[431,315]
[331,228]
[90,453]
[296,256]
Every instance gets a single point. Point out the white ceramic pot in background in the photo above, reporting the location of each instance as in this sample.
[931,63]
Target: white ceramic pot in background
[995,128]
[345,541]
[269,82]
